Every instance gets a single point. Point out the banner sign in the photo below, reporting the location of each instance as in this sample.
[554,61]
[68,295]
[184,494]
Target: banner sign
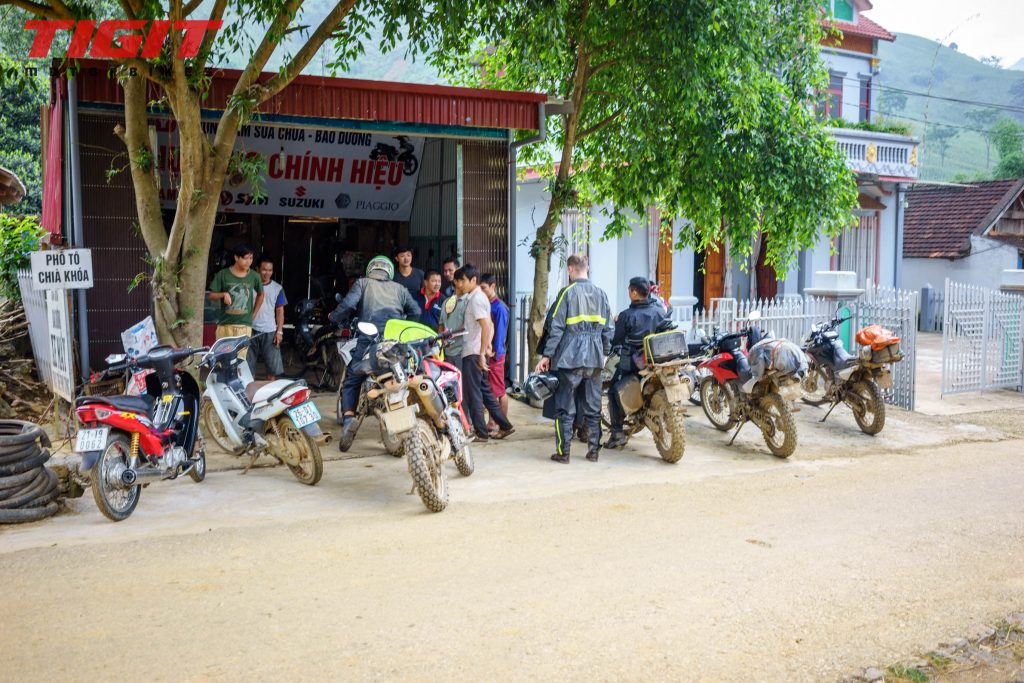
[61,359]
[62,269]
[309,171]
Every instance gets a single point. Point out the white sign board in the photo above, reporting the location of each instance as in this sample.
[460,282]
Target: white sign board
[62,364]
[309,171]
[62,269]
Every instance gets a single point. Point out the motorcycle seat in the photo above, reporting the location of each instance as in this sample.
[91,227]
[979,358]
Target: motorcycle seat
[251,388]
[135,404]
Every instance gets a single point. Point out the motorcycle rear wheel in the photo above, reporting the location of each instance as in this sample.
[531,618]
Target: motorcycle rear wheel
[393,446]
[115,502]
[339,411]
[814,385]
[670,438]
[782,441]
[871,419]
[300,444]
[716,405]
[430,479]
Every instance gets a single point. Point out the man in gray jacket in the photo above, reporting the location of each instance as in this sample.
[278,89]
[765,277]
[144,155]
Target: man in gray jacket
[579,338]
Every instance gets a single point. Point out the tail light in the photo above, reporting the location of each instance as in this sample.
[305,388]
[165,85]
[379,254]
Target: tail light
[298,397]
[102,414]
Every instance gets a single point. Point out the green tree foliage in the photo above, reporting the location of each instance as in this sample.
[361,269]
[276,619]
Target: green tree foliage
[19,237]
[1008,139]
[279,35]
[983,120]
[941,136]
[703,108]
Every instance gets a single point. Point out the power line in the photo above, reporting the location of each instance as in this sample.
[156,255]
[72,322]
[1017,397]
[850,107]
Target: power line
[977,103]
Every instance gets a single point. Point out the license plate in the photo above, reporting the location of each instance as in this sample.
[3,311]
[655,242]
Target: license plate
[677,393]
[399,421]
[91,439]
[791,392]
[304,414]
[884,380]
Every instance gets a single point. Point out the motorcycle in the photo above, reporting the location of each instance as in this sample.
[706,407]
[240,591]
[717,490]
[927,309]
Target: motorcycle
[656,397]
[731,396]
[346,345]
[404,154]
[316,348]
[836,376]
[417,399]
[129,441]
[255,418]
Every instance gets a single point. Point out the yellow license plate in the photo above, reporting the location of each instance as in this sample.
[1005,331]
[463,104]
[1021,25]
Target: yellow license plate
[399,421]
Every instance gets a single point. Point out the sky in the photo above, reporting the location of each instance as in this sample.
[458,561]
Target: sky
[980,28]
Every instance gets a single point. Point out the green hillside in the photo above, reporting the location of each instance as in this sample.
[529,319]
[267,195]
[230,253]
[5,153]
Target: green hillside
[919,65]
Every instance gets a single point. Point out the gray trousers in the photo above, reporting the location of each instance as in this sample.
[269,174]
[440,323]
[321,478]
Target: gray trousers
[588,382]
[262,348]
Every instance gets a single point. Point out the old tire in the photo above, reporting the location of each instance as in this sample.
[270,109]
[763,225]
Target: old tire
[210,422]
[782,441]
[430,480]
[814,385]
[670,439]
[872,418]
[715,404]
[392,445]
[464,461]
[117,503]
[339,412]
[301,445]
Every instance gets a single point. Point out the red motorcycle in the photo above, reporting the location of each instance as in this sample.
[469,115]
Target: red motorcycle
[730,395]
[129,440]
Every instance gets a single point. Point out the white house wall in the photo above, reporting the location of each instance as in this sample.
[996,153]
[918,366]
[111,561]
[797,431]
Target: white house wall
[983,267]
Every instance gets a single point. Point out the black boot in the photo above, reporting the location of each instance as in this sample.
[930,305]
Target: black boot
[592,454]
[616,440]
[561,457]
[348,434]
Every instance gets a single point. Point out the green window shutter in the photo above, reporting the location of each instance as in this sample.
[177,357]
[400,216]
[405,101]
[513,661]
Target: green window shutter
[844,11]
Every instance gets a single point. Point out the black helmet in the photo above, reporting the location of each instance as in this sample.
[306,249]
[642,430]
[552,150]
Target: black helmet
[540,386]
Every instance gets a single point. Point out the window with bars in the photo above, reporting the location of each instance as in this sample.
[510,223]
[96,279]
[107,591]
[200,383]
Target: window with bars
[865,100]
[830,102]
[857,249]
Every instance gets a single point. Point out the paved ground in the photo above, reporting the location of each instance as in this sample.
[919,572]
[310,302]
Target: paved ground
[731,565]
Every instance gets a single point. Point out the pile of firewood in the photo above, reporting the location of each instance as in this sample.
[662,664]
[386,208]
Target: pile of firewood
[22,396]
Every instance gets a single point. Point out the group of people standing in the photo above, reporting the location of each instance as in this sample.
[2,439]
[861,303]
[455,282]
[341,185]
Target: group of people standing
[579,333]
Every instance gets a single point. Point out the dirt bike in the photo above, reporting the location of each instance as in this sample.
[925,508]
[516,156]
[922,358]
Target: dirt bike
[129,441]
[315,347]
[417,400]
[403,154]
[260,418]
[731,396]
[836,376]
[656,397]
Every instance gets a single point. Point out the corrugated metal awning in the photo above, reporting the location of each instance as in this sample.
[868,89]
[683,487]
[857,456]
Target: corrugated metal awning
[346,98]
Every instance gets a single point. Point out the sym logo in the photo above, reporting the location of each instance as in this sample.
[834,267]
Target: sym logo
[138,42]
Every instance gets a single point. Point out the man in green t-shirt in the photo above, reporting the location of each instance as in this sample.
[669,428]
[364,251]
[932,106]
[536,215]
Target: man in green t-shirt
[240,291]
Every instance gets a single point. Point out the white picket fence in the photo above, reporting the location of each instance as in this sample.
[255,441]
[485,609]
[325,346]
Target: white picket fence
[34,302]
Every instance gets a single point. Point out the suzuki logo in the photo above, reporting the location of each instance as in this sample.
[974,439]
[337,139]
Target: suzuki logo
[300,191]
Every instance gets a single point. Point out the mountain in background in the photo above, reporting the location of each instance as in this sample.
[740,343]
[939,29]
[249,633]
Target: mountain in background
[1019,66]
[915,73]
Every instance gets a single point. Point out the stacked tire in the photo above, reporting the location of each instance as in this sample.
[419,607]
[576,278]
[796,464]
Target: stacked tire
[28,489]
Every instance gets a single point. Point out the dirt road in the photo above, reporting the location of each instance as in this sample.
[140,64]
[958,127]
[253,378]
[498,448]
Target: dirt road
[728,566]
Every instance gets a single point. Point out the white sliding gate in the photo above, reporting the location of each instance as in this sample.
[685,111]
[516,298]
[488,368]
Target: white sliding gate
[982,339]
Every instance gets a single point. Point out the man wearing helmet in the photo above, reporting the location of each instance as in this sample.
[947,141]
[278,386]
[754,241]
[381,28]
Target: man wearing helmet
[376,299]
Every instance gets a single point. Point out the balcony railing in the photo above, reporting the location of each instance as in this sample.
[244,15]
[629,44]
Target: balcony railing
[882,154]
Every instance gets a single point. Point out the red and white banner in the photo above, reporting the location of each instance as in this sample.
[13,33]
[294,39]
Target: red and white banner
[309,172]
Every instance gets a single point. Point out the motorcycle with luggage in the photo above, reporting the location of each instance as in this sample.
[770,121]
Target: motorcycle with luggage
[251,418]
[129,441]
[417,398]
[656,397]
[836,376]
[753,386]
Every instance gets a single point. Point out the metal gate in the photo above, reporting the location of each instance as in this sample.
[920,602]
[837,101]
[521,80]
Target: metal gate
[982,339]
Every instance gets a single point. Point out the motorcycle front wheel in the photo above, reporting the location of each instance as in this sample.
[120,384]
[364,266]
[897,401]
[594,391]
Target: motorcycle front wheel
[115,500]
[814,385]
[870,413]
[211,425]
[670,436]
[198,471]
[303,450]
[428,476]
[781,439]
[715,403]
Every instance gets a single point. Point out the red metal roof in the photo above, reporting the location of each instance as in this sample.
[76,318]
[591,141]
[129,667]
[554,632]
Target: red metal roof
[864,27]
[347,98]
[939,221]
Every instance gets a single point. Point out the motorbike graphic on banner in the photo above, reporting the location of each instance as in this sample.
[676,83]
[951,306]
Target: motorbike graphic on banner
[309,172]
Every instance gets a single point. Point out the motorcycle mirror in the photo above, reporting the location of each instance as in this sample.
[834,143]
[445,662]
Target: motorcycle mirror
[754,316]
[369,329]
[115,358]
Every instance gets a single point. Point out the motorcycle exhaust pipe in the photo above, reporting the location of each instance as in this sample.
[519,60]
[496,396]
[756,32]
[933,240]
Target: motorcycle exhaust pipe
[325,438]
[133,477]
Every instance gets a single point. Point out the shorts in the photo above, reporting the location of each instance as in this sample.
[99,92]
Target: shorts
[496,376]
[235,331]
[262,349]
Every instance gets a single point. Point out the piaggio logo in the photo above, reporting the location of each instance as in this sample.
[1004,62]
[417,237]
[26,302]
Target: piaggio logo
[103,41]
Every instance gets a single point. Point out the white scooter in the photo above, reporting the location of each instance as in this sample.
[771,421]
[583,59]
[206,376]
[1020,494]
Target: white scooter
[247,417]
